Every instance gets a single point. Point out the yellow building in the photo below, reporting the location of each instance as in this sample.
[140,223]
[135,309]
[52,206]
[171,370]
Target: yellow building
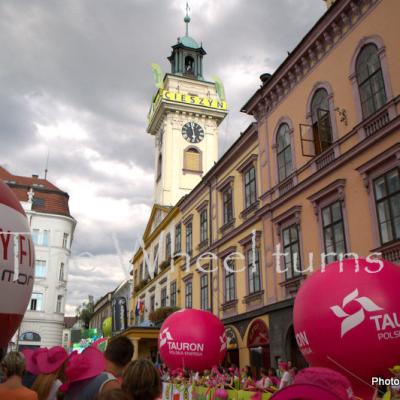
[328,129]
[318,172]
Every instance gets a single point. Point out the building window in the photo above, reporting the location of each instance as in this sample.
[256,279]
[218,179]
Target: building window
[250,191]
[36,303]
[189,238]
[173,294]
[189,65]
[40,269]
[164,297]
[59,303]
[333,231]
[253,271]
[40,238]
[371,85]
[203,226]
[227,199]
[146,268]
[35,236]
[284,152]
[30,337]
[45,238]
[178,238]
[152,302]
[387,198]
[141,272]
[159,167]
[230,281]
[65,241]
[204,292]
[321,121]
[155,259]
[192,159]
[168,246]
[61,276]
[291,249]
[188,294]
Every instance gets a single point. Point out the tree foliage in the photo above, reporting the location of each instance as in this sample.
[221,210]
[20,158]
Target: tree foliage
[85,311]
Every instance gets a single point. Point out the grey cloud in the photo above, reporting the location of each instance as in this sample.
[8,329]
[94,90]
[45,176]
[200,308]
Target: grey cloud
[91,59]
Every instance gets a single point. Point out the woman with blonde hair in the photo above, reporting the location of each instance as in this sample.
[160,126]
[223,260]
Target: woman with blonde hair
[13,366]
[51,365]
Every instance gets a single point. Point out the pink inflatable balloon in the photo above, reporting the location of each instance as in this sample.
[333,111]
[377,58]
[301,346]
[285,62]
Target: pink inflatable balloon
[193,339]
[350,321]
[17,260]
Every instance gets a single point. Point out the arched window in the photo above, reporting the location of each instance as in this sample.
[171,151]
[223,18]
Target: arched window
[189,65]
[371,85]
[159,167]
[192,159]
[284,152]
[30,337]
[321,121]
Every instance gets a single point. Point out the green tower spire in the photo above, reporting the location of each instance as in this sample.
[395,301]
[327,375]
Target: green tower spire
[187,18]
[187,55]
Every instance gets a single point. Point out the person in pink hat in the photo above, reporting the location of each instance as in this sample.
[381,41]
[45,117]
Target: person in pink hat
[85,376]
[317,383]
[51,365]
[31,367]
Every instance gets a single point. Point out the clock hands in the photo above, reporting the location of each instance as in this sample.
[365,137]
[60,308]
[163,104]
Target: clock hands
[191,125]
[192,132]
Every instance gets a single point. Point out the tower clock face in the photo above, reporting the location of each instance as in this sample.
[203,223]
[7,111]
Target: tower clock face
[192,132]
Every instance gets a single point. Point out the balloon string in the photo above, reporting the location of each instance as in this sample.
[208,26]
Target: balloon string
[349,372]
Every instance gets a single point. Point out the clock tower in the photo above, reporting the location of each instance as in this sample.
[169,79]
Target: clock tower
[184,118]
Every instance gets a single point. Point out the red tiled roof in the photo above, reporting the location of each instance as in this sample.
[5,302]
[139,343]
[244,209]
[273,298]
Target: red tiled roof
[69,322]
[48,198]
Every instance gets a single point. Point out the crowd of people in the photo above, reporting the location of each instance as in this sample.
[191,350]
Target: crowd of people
[263,379]
[51,374]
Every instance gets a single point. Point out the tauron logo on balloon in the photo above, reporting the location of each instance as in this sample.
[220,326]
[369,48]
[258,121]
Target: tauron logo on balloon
[165,336]
[385,323]
[352,320]
[180,348]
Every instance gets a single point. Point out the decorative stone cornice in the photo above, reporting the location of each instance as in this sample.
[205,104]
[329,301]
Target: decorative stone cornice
[317,43]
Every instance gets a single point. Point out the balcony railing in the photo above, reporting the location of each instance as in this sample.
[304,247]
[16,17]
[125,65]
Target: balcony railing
[285,186]
[378,122]
[325,159]
[390,252]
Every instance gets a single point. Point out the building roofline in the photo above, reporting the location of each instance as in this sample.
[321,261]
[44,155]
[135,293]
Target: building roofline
[294,54]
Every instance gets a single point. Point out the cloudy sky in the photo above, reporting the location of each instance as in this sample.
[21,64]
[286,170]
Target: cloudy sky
[75,80]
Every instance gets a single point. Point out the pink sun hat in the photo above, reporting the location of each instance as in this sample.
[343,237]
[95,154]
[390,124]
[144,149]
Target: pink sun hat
[86,365]
[50,361]
[30,356]
[317,383]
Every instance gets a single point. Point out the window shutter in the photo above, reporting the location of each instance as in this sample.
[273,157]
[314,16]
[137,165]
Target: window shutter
[192,160]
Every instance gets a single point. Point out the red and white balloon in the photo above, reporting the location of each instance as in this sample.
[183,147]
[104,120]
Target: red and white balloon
[193,339]
[350,321]
[17,263]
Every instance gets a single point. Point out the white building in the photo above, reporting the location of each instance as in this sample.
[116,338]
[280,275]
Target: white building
[52,228]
